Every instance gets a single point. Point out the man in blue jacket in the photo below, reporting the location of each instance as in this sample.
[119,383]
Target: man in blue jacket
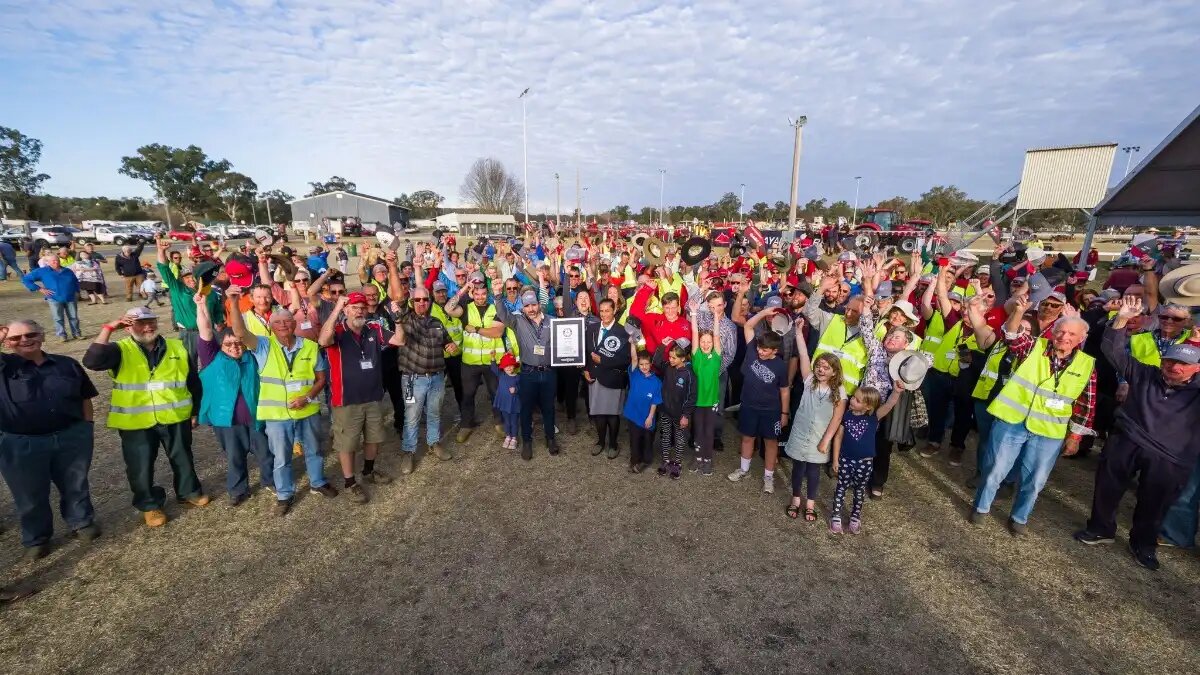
[61,287]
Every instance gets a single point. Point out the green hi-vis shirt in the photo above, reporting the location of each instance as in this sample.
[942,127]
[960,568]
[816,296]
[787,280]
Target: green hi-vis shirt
[183,308]
[708,378]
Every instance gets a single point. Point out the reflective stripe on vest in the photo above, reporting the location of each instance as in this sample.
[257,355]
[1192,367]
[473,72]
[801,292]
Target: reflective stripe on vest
[991,372]
[255,324]
[477,349]
[1036,397]
[1144,348]
[851,353]
[142,398]
[278,383]
[452,325]
[933,333]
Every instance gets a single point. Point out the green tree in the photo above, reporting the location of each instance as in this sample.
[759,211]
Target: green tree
[621,212]
[942,204]
[424,203]
[334,184]
[176,175]
[840,208]
[726,208]
[19,177]
[813,208]
[280,211]
[230,190]
[761,211]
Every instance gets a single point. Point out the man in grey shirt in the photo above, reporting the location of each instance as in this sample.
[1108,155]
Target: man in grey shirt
[537,382]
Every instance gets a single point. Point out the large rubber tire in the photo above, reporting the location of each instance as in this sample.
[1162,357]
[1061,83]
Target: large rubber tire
[908,244]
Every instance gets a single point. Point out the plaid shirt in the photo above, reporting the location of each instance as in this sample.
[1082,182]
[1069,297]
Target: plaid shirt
[425,341]
[1084,412]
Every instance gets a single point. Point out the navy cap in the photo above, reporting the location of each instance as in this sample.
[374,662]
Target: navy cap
[1183,352]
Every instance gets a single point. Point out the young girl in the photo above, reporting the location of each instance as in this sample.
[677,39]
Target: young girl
[645,395]
[818,418]
[507,401]
[706,364]
[854,449]
[679,401]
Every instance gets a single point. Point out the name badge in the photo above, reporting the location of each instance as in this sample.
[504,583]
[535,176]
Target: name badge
[1055,404]
[305,325]
[156,386]
[295,386]
[366,364]
[539,350]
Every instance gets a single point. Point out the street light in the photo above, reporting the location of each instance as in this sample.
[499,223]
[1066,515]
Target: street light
[1130,151]
[662,183]
[741,204]
[557,203]
[798,125]
[270,224]
[525,151]
[582,194]
[857,184]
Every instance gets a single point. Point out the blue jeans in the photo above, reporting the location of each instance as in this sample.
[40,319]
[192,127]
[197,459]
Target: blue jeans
[6,263]
[1013,445]
[62,313]
[983,424]
[281,436]
[1179,528]
[536,389]
[422,395]
[30,464]
[237,441]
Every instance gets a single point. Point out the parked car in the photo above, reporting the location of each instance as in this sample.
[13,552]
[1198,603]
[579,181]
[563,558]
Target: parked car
[188,235]
[51,234]
[16,237]
[112,234]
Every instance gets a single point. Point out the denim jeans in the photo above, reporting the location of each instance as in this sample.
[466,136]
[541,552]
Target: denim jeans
[281,436]
[30,464]
[1179,527]
[983,425]
[63,313]
[536,389]
[6,263]
[238,441]
[422,395]
[1009,445]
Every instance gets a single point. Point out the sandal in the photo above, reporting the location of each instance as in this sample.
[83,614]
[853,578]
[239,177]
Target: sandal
[810,515]
[793,511]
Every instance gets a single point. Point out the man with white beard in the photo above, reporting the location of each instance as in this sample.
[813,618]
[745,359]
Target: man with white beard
[354,349]
[151,407]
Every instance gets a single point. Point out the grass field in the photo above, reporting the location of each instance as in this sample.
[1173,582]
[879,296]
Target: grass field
[570,564]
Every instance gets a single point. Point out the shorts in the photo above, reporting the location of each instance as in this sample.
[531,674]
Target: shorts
[759,423]
[356,424]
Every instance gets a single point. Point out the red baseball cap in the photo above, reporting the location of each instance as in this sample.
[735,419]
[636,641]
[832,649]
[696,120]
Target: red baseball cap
[239,273]
[356,298]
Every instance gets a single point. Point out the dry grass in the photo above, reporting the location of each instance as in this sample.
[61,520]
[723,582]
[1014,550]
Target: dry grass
[570,564]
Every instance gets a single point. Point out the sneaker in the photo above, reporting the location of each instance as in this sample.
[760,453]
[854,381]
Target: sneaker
[694,465]
[526,450]
[768,485]
[1017,529]
[406,463]
[737,475]
[357,494]
[930,450]
[377,477]
[281,507]
[463,434]
[1085,537]
[507,444]
[835,526]
[87,533]
[676,469]
[326,490]
[706,470]
[443,453]
[635,468]
[855,526]
[1167,543]
[663,468]
[875,493]
[956,455]
[612,453]
[1146,559]
[598,448]
[155,518]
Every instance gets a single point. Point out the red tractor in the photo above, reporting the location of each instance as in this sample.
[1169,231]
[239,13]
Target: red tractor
[883,227]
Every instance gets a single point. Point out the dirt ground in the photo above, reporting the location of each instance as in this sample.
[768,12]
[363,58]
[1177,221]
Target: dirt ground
[571,564]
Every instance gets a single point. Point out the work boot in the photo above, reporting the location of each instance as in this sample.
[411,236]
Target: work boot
[442,453]
[552,447]
[377,477]
[197,500]
[357,494]
[406,463]
[281,508]
[327,491]
[463,434]
[526,450]
[88,533]
[155,518]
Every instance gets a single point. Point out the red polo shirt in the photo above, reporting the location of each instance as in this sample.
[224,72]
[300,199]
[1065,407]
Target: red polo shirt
[655,325]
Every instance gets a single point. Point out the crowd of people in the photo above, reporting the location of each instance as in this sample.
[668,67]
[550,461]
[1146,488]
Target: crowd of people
[840,361]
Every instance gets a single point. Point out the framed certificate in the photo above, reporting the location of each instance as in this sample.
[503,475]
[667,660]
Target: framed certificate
[566,342]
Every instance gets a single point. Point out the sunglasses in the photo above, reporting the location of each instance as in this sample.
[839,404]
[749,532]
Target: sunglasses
[420,299]
[514,289]
[232,345]
[1168,317]
[30,337]
[336,291]
[1052,305]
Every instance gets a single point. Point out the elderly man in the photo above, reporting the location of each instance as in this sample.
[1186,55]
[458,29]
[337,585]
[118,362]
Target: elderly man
[130,268]
[45,436]
[453,326]
[1155,440]
[153,387]
[354,349]
[292,374]
[483,345]
[60,287]
[839,333]
[1174,326]
[229,376]
[1048,398]
[422,362]
[257,319]
[537,383]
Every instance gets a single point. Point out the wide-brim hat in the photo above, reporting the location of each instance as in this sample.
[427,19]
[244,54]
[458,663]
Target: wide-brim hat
[388,240]
[909,366]
[906,308]
[695,250]
[655,250]
[264,237]
[1182,286]
[205,272]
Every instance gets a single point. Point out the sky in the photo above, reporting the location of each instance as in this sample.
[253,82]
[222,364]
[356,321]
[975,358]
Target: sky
[403,96]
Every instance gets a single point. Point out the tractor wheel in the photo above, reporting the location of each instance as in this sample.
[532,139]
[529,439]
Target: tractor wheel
[863,239]
[908,245]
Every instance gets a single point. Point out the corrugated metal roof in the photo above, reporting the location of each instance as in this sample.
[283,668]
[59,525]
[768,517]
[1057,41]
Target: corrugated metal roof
[353,194]
[460,218]
[1071,177]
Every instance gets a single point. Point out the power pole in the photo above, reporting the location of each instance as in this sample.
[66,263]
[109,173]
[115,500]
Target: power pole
[578,203]
[557,204]
[662,184]
[798,123]
[525,152]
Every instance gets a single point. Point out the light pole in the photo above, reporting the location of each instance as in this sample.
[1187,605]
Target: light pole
[798,124]
[578,203]
[1130,151]
[662,184]
[557,203]
[270,223]
[581,196]
[742,204]
[525,152]
[857,184]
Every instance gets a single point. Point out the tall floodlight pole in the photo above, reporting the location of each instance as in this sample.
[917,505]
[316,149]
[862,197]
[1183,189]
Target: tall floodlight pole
[857,184]
[270,223]
[662,184]
[557,203]
[798,124]
[742,204]
[525,152]
[581,196]
[167,209]
[578,202]
[1130,151]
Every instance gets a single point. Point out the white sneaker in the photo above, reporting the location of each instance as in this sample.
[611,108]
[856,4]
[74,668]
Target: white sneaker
[738,475]
[769,485]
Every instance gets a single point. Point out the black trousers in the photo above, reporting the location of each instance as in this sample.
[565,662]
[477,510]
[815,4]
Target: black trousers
[391,384]
[641,444]
[472,378]
[1106,412]
[883,456]
[454,374]
[964,419]
[568,389]
[1159,483]
[607,427]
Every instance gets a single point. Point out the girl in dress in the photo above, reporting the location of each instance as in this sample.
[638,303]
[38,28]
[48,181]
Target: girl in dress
[507,402]
[854,450]
[817,420]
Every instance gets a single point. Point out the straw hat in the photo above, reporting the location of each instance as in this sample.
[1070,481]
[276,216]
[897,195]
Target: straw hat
[909,366]
[1182,286]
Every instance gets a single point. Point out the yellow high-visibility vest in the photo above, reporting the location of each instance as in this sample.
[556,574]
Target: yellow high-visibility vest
[991,372]
[1039,399]
[1144,348]
[477,349]
[934,330]
[280,383]
[255,324]
[453,326]
[945,357]
[852,353]
[142,398]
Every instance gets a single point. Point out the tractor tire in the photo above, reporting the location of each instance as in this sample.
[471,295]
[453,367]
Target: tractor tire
[908,244]
[863,239]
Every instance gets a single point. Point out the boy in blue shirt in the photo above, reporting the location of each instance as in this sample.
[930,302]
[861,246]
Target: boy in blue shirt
[641,404]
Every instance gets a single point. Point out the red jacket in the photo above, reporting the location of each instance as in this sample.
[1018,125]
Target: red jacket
[655,325]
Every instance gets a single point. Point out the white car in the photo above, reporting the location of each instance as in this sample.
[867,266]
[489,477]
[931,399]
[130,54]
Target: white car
[112,234]
[51,234]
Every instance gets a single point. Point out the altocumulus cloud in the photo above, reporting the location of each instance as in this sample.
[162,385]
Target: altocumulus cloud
[404,95]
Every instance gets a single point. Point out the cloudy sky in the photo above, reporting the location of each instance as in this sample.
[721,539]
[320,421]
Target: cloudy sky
[404,95]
